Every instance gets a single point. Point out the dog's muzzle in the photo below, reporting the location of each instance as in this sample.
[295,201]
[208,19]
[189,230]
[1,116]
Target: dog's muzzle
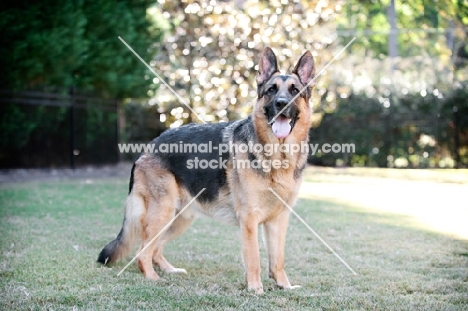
[284,123]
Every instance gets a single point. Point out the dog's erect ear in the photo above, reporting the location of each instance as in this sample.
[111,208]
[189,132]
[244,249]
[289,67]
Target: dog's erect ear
[305,68]
[267,66]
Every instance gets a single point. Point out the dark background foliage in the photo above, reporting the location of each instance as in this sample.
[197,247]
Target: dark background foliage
[71,90]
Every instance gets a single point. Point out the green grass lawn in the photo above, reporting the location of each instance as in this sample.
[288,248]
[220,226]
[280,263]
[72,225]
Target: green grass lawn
[52,232]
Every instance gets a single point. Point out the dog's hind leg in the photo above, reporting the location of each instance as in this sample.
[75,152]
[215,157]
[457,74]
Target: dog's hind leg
[179,226]
[162,199]
[160,212]
[152,225]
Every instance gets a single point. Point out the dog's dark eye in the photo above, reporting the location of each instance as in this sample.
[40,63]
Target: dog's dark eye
[294,90]
[272,90]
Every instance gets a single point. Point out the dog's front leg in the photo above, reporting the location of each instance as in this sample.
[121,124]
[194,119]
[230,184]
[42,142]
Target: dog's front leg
[275,237]
[249,234]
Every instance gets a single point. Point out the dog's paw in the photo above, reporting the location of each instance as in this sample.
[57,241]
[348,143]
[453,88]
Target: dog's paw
[152,276]
[176,270]
[258,290]
[293,287]
[288,287]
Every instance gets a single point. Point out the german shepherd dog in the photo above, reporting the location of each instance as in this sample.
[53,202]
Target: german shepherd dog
[162,184]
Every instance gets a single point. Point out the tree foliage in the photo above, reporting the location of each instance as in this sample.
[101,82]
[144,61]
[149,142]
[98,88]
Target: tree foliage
[210,54]
[389,106]
[416,131]
[207,51]
[431,38]
[56,44]
[69,46]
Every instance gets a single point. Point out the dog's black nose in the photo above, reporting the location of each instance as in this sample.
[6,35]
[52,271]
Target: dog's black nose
[281,103]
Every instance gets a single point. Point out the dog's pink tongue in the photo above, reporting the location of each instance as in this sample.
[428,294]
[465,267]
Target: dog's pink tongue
[281,127]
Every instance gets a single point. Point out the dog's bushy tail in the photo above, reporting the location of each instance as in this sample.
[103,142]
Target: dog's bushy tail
[115,250]
[130,232]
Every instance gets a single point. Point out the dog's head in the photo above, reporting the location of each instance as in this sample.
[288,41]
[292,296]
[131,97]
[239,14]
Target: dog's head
[283,99]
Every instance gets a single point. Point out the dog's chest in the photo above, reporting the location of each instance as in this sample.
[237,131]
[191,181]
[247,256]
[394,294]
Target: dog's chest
[221,209]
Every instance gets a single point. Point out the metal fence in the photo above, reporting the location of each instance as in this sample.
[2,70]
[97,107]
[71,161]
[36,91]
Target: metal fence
[57,129]
[66,129]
